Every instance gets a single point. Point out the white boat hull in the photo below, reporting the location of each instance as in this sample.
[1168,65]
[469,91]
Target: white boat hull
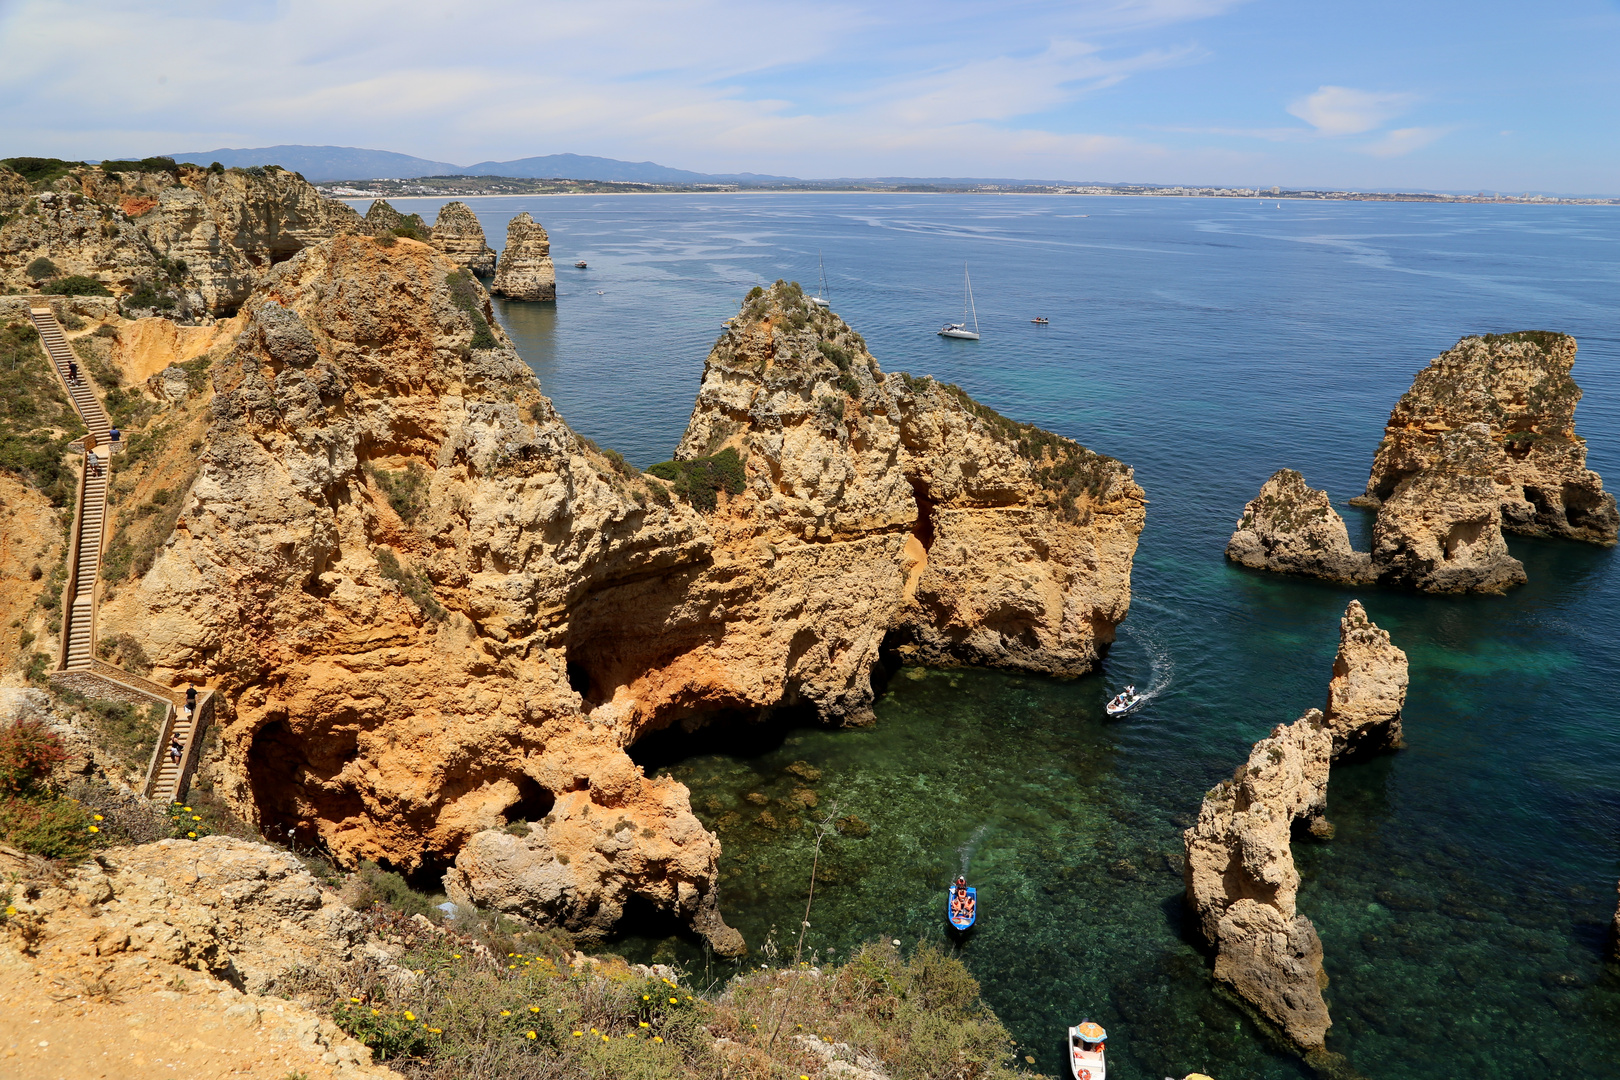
[1086,1064]
[963,335]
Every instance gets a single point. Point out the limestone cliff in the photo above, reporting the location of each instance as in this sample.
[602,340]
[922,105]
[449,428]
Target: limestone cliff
[525,271]
[198,240]
[458,234]
[1293,528]
[433,611]
[1242,883]
[1368,688]
[1518,386]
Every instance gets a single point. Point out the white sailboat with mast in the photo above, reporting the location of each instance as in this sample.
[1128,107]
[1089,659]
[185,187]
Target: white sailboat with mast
[960,330]
[821,299]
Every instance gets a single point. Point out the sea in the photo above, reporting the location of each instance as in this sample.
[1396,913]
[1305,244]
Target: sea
[1465,901]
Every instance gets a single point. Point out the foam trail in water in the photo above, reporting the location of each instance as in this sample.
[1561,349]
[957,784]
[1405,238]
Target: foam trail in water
[1162,667]
[966,850]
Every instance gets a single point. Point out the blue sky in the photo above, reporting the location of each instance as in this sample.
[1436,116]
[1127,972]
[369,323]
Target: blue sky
[1432,94]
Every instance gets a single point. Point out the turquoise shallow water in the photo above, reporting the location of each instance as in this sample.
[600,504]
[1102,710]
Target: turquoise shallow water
[1464,901]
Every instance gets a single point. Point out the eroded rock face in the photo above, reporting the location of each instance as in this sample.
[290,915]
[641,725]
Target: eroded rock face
[1518,388]
[1242,883]
[525,271]
[433,610]
[209,237]
[458,234]
[1441,529]
[1368,688]
[244,911]
[1293,528]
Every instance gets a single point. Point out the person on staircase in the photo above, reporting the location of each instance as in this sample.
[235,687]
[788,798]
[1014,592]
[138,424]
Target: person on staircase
[174,750]
[73,372]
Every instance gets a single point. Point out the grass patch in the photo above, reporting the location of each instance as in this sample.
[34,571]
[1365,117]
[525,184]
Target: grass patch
[700,480]
[414,585]
[36,419]
[464,293]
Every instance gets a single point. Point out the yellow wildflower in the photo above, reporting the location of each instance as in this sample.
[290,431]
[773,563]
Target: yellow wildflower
[374,1012]
[354,1001]
[94,829]
[604,1038]
[530,1035]
[187,809]
[98,817]
[409,1015]
[646,997]
[658,1038]
[192,835]
[674,1001]
[577,1034]
[534,1008]
[506,1012]
[629,1034]
[194,817]
[10,910]
[644,1023]
[456,957]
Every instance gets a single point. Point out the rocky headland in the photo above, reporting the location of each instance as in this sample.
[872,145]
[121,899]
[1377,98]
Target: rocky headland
[1483,443]
[525,271]
[183,242]
[438,619]
[457,233]
[1240,875]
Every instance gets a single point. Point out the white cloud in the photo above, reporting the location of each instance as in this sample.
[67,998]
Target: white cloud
[1339,110]
[1405,140]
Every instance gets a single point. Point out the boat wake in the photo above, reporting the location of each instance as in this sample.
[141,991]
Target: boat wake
[1162,668]
[965,852]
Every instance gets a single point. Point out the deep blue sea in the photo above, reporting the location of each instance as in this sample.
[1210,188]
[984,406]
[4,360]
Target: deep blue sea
[1465,900]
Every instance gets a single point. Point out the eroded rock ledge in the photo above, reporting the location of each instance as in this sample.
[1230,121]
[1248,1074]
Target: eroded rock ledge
[524,270]
[1484,442]
[435,612]
[1240,874]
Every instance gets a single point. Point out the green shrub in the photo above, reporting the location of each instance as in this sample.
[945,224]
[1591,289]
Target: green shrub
[31,818]
[28,752]
[41,171]
[75,285]
[464,293]
[371,885]
[147,294]
[700,480]
[217,169]
[406,489]
[127,731]
[145,165]
[413,585]
[42,268]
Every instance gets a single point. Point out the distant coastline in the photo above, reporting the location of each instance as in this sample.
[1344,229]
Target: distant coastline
[466,187]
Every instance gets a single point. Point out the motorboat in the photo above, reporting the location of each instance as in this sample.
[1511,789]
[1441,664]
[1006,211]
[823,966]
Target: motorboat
[960,330]
[580,265]
[1041,321]
[1087,1045]
[1126,700]
[961,905]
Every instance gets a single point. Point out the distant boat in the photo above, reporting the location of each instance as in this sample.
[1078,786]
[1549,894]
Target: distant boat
[821,299]
[580,265]
[1041,321]
[959,329]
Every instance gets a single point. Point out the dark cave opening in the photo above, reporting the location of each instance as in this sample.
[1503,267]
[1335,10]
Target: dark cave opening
[646,921]
[923,527]
[738,734]
[579,679]
[533,802]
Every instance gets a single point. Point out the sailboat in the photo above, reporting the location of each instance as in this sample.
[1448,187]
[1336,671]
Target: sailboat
[821,299]
[959,329]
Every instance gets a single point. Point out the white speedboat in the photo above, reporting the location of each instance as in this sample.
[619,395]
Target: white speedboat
[1124,702]
[959,329]
[1087,1043]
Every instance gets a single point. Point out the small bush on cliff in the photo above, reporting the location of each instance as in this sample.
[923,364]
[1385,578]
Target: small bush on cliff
[145,165]
[413,585]
[42,268]
[700,480]
[41,171]
[32,818]
[464,293]
[370,885]
[75,285]
[406,489]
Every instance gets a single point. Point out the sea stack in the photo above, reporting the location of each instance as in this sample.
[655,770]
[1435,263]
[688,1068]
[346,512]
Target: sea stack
[458,234]
[381,217]
[1293,528]
[1242,883]
[1484,443]
[1368,689]
[524,271]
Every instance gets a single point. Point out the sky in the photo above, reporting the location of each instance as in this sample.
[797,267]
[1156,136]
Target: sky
[1375,94]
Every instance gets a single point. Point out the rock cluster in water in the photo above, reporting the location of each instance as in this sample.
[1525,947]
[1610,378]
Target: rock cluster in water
[457,233]
[525,270]
[199,241]
[1484,442]
[439,618]
[1240,874]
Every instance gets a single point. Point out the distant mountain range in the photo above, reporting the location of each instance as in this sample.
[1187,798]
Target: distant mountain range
[323,163]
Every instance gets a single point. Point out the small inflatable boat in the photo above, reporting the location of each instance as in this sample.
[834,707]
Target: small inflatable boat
[1087,1042]
[961,905]
[1127,700]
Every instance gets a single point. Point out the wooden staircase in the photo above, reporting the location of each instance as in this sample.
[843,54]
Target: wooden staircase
[77,665]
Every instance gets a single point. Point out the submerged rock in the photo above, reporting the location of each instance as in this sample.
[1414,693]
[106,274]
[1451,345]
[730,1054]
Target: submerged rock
[1242,883]
[1293,528]
[458,234]
[1368,689]
[525,271]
